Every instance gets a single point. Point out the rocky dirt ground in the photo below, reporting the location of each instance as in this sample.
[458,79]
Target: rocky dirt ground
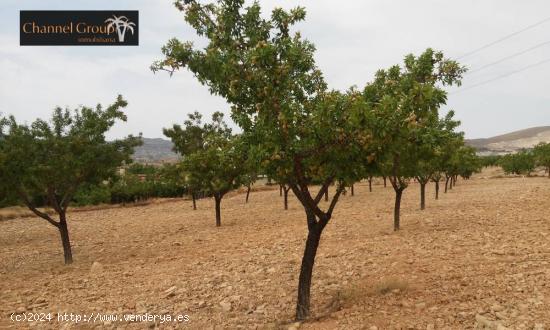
[477,258]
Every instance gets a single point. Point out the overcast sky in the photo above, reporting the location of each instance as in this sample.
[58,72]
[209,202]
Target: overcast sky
[353,38]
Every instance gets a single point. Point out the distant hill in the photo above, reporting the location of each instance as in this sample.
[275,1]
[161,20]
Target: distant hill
[155,151]
[512,142]
[160,150]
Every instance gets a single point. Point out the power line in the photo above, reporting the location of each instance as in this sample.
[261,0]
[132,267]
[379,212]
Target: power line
[509,57]
[502,76]
[503,38]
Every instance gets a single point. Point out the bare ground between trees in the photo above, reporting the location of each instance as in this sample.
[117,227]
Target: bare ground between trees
[478,256]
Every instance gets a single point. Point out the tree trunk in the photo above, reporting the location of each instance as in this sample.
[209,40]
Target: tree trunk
[548,172]
[397,209]
[218,200]
[64,232]
[370,184]
[384,182]
[304,283]
[280,190]
[446,183]
[326,195]
[194,201]
[422,196]
[247,194]
[352,191]
[285,191]
[437,190]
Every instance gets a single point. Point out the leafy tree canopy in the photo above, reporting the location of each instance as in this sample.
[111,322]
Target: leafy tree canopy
[521,163]
[54,158]
[294,126]
[406,101]
[194,134]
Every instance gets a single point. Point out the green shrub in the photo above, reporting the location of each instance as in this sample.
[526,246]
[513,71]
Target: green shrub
[93,195]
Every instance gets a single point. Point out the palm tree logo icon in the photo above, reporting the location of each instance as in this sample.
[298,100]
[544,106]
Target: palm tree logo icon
[121,24]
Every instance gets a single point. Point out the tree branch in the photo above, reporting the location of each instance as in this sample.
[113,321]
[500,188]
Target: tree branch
[53,200]
[324,189]
[31,207]
[69,195]
[334,201]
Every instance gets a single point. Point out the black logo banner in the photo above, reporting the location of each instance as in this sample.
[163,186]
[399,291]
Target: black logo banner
[79,28]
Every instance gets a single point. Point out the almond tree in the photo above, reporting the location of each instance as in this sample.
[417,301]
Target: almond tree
[249,179]
[217,164]
[521,163]
[51,160]
[490,160]
[445,154]
[436,179]
[250,168]
[286,189]
[451,170]
[463,162]
[371,170]
[406,101]
[192,137]
[431,155]
[468,162]
[542,156]
[218,168]
[446,159]
[298,130]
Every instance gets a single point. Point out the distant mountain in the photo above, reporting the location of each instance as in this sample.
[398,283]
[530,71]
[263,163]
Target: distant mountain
[155,151]
[512,142]
[160,150]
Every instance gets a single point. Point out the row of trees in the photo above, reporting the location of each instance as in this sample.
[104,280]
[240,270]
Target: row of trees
[523,162]
[303,134]
[130,187]
[214,160]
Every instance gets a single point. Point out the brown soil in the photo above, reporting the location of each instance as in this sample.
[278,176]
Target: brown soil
[478,257]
